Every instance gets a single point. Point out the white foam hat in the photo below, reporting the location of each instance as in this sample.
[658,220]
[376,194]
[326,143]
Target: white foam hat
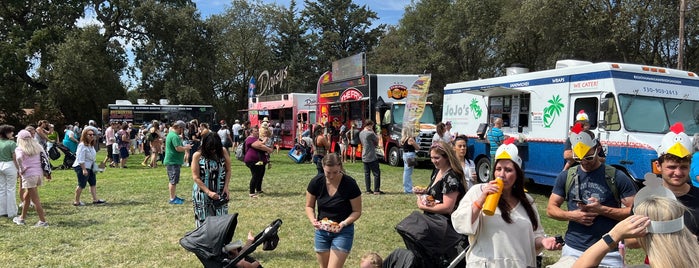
[508,150]
[581,142]
[676,142]
[582,116]
[653,187]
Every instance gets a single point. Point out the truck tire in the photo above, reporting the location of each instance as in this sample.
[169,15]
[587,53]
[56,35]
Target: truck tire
[483,170]
[394,157]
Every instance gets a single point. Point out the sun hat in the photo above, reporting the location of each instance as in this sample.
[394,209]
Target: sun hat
[23,134]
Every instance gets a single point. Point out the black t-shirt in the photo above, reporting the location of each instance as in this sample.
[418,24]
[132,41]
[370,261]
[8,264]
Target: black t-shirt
[337,207]
[133,133]
[691,216]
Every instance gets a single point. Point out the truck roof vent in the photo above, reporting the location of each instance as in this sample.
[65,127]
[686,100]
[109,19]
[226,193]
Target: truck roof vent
[516,68]
[164,102]
[122,102]
[570,63]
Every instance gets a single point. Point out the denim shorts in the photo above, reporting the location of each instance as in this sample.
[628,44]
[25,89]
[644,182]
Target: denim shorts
[325,241]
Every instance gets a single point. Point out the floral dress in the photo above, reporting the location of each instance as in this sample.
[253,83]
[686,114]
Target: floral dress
[213,175]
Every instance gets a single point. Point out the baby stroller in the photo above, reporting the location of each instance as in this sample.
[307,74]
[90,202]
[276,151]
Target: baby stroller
[430,241]
[209,239]
[68,157]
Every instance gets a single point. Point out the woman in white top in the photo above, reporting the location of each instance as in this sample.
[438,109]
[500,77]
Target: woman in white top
[85,166]
[513,236]
[461,148]
[442,134]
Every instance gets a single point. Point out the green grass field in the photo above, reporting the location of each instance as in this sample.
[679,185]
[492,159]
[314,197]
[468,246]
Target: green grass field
[138,228]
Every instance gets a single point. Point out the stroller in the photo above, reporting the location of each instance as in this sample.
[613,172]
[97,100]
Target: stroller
[68,156]
[209,239]
[430,241]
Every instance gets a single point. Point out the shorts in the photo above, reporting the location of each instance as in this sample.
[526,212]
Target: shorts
[173,173]
[84,180]
[109,150]
[132,142]
[325,241]
[31,182]
[236,138]
[123,152]
[115,157]
[354,145]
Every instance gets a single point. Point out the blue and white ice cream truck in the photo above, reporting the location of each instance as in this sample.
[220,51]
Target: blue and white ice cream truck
[630,108]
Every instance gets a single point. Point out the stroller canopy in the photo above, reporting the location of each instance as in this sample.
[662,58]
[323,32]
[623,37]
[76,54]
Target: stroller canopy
[208,240]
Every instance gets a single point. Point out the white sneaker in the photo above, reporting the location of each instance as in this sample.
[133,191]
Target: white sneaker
[18,220]
[41,224]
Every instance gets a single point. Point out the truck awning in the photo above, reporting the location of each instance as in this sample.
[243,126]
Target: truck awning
[497,91]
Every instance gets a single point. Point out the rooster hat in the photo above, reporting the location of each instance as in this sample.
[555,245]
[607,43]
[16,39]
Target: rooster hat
[508,150]
[676,142]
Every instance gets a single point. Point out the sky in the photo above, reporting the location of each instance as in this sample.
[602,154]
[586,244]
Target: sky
[388,11]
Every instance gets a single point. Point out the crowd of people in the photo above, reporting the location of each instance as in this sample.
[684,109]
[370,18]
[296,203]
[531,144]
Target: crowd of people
[603,209]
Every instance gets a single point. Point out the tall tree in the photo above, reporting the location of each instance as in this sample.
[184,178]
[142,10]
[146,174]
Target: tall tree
[28,29]
[343,29]
[84,77]
[241,48]
[293,50]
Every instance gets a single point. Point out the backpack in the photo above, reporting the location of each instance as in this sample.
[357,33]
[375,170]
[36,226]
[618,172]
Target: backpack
[609,176]
[240,151]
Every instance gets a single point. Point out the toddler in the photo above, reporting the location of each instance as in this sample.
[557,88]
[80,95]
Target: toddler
[266,138]
[115,153]
[371,260]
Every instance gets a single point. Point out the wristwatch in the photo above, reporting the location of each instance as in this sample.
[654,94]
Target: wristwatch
[608,239]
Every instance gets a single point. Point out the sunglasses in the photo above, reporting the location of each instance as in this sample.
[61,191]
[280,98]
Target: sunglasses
[587,158]
[91,134]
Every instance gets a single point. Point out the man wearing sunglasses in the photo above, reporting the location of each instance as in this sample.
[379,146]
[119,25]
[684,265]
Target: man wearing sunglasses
[596,201]
[584,120]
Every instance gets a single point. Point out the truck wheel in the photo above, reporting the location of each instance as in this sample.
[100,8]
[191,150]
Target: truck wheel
[483,170]
[394,157]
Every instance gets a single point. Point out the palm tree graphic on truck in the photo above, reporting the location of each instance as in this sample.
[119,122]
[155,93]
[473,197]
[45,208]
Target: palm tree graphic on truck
[553,110]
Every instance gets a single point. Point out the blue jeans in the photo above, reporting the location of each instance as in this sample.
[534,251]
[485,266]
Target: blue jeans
[84,180]
[324,241]
[407,172]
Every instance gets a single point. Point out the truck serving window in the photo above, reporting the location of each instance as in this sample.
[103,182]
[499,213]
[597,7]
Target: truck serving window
[589,105]
[399,109]
[513,109]
[656,115]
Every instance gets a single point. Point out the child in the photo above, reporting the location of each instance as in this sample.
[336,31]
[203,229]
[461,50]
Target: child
[265,137]
[234,248]
[371,260]
[115,153]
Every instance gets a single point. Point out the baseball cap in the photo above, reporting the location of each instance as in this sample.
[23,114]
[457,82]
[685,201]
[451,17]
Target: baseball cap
[180,124]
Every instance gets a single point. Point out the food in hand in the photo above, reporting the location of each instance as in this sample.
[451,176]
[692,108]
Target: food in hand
[419,189]
[428,200]
[329,225]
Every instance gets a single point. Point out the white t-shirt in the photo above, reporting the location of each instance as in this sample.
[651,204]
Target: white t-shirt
[236,129]
[223,134]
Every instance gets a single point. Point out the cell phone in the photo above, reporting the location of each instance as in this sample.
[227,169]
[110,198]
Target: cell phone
[579,201]
[559,240]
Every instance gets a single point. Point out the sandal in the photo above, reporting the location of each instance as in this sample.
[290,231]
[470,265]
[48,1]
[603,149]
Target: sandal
[78,204]
[99,201]
[253,196]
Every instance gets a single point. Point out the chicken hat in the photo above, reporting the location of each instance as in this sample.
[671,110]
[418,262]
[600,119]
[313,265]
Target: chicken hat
[581,141]
[676,142]
[582,116]
[508,150]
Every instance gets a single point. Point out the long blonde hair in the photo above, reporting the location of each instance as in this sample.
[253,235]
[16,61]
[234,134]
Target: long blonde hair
[667,250]
[29,146]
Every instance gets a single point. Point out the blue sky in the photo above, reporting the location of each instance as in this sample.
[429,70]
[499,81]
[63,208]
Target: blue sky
[388,11]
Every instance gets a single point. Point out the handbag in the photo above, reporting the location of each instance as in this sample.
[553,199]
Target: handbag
[223,199]
[412,161]
[45,164]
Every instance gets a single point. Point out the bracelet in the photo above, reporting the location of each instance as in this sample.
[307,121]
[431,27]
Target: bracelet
[475,204]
